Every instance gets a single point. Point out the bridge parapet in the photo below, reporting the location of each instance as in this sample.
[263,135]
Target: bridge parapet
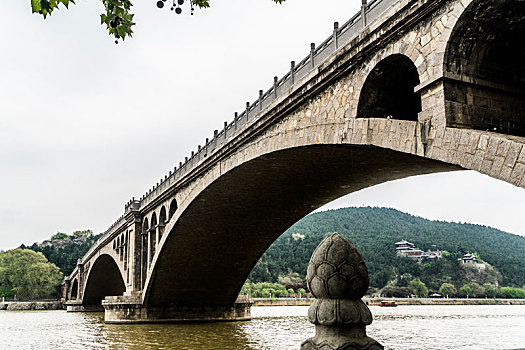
[112,230]
[341,37]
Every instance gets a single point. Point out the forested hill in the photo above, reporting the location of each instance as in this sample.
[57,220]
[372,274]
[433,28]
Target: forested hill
[375,230]
[64,250]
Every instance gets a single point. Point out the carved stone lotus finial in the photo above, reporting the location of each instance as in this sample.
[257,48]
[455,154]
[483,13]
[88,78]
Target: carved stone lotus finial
[337,276]
[337,270]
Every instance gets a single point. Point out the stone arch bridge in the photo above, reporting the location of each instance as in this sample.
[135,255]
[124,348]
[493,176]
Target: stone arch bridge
[405,87]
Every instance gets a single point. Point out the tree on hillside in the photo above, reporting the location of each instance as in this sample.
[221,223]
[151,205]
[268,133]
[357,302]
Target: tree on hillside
[28,274]
[490,289]
[117,17]
[63,252]
[418,288]
[466,289]
[447,289]
[473,289]
[59,235]
[82,233]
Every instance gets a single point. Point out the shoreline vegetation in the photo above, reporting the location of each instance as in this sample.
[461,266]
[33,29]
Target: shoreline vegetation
[496,269]
[455,260]
[31,305]
[399,301]
[58,305]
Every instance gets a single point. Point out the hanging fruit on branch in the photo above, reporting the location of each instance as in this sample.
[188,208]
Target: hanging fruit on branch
[117,17]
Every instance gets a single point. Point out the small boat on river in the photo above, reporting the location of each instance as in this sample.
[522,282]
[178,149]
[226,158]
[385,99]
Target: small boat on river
[388,303]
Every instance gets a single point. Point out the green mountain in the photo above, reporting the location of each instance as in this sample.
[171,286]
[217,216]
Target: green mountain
[64,250]
[375,230]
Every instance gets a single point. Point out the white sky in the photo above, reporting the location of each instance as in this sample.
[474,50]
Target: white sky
[86,124]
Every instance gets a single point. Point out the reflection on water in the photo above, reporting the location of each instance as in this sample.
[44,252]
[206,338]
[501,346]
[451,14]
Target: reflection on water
[404,327]
[450,327]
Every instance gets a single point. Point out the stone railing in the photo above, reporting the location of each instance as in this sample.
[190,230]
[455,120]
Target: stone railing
[340,37]
[102,240]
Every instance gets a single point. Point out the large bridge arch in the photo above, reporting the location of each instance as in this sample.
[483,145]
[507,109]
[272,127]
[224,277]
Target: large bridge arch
[306,142]
[104,278]
[228,231]
[316,152]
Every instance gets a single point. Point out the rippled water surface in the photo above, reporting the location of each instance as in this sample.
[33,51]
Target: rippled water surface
[403,327]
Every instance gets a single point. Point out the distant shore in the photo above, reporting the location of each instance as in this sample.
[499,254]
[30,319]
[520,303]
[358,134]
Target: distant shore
[58,305]
[282,301]
[399,301]
[446,301]
[31,305]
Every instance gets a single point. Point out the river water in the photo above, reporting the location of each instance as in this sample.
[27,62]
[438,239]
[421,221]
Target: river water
[277,327]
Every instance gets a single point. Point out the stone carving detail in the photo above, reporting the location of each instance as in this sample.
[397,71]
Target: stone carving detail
[337,276]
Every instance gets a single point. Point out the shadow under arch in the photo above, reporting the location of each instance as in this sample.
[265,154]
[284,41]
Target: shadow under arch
[104,279]
[74,289]
[152,237]
[219,237]
[173,208]
[162,221]
[388,91]
[484,68]
[144,252]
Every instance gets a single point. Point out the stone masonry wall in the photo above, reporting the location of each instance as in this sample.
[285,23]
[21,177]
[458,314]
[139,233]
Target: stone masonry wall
[329,116]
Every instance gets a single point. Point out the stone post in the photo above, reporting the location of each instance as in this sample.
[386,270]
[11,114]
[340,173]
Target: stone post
[292,72]
[66,289]
[80,294]
[363,13]
[337,276]
[150,249]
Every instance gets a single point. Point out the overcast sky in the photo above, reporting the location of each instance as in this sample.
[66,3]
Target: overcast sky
[86,124]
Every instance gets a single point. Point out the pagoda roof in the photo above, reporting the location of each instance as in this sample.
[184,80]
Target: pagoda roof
[404,242]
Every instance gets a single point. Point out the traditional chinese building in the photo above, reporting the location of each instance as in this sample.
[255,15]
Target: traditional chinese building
[409,250]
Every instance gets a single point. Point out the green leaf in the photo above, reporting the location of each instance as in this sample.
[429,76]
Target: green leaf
[35,5]
[118,19]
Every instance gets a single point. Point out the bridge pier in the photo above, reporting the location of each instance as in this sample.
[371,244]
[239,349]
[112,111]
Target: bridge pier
[76,306]
[129,309]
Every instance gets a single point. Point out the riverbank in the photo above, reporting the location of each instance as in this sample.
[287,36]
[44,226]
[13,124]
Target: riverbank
[399,301]
[31,305]
[282,301]
[445,301]
[57,305]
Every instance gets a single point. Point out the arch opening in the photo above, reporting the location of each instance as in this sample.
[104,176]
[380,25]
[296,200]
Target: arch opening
[74,289]
[152,237]
[173,208]
[144,252]
[484,68]
[162,222]
[104,280]
[220,236]
[388,91]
